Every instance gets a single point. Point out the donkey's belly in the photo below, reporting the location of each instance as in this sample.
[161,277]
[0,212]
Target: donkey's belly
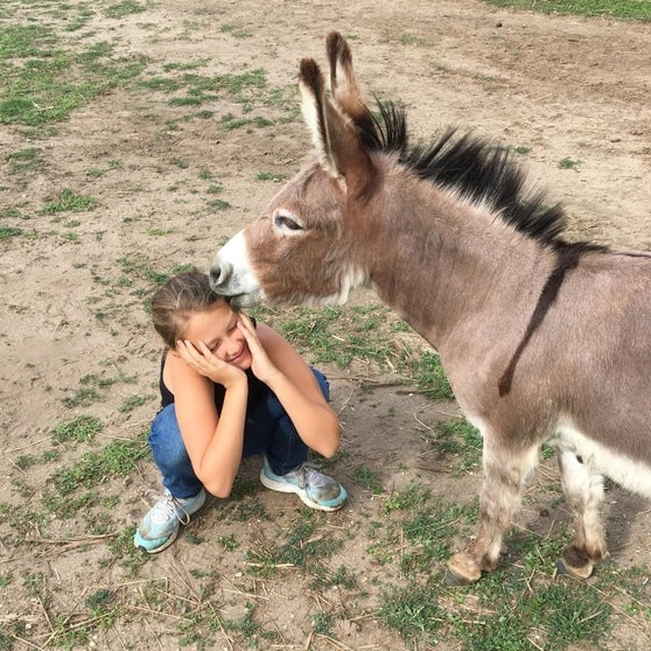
[634,475]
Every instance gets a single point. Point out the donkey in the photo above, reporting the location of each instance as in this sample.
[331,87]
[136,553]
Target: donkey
[541,339]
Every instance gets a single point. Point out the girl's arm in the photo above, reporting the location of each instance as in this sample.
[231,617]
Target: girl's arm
[214,443]
[277,363]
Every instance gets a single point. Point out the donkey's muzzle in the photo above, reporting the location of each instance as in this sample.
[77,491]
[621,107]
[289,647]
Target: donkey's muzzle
[220,274]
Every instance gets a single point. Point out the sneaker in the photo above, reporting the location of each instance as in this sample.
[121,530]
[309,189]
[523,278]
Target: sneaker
[316,490]
[160,526]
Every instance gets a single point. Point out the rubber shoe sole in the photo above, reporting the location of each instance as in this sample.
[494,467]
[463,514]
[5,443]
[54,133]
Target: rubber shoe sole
[140,542]
[286,487]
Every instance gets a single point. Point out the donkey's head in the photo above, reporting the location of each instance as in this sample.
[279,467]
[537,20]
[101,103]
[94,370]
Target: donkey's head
[300,249]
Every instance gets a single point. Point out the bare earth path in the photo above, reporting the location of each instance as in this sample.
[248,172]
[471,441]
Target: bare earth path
[175,158]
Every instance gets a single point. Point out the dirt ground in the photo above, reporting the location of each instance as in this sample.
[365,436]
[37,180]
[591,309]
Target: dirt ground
[570,94]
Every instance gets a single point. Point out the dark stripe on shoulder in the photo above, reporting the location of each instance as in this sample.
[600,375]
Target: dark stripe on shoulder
[568,257]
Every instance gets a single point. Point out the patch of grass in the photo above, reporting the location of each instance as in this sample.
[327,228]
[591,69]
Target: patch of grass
[81,429]
[96,172]
[99,600]
[270,176]
[569,164]
[19,41]
[342,334]
[460,438]
[50,87]
[230,122]
[126,553]
[414,612]
[11,212]
[68,506]
[25,461]
[430,377]
[84,15]
[124,8]
[133,402]
[322,624]
[218,204]
[9,231]
[624,9]
[431,530]
[235,31]
[83,397]
[137,267]
[117,459]
[414,495]
[228,542]
[24,160]
[244,510]
[300,549]
[339,335]
[190,65]
[410,39]
[69,201]
[243,487]
[160,232]
[164,84]
[363,476]
[22,520]
[324,577]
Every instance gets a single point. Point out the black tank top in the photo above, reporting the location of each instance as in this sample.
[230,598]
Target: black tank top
[257,389]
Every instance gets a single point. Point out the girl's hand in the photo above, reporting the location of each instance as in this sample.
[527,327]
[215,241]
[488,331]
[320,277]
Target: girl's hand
[199,357]
[262,367]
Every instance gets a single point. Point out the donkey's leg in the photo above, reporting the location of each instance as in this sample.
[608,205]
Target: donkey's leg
[506,471]
[584,492]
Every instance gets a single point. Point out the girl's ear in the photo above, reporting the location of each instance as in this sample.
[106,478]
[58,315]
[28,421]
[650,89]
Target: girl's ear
[334,135]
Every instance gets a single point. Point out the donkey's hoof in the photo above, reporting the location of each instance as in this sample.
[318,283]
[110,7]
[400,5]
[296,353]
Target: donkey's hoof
[462,570]
[579,571]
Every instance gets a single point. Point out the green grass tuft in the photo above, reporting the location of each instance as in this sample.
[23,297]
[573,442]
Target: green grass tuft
[82,428]
[414,612]
[69,201]
[19,41]
[624,9]
[9,231]
[124,8]
[117,459]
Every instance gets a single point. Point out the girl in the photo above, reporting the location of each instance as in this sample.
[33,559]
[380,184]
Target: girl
[230,389]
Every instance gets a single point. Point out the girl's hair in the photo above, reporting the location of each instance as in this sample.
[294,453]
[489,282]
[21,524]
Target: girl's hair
[173,304]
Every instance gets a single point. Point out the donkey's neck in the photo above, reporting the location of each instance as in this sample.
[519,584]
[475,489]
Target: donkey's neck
[440,260]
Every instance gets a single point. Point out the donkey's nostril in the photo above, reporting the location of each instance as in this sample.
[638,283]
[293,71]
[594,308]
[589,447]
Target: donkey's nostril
[219,274]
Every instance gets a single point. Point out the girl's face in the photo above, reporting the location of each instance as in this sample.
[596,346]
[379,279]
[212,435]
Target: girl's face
[217,328]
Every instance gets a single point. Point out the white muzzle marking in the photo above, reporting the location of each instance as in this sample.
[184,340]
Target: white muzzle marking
[231,274]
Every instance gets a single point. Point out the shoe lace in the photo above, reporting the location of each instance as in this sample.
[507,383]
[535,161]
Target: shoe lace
[174,508]
[312,476]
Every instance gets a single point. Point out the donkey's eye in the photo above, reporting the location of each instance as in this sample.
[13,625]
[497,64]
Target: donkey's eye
[285,222]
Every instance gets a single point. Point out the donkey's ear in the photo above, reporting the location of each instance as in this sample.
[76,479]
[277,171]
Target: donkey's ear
[334,136]
[343,82]
[313,105]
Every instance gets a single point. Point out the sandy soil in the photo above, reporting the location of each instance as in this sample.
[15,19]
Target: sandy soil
[562,87]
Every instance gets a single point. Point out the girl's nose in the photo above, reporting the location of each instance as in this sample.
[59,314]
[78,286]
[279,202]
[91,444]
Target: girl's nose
[233,345]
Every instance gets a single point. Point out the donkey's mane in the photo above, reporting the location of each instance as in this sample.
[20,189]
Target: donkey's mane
[479,171]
